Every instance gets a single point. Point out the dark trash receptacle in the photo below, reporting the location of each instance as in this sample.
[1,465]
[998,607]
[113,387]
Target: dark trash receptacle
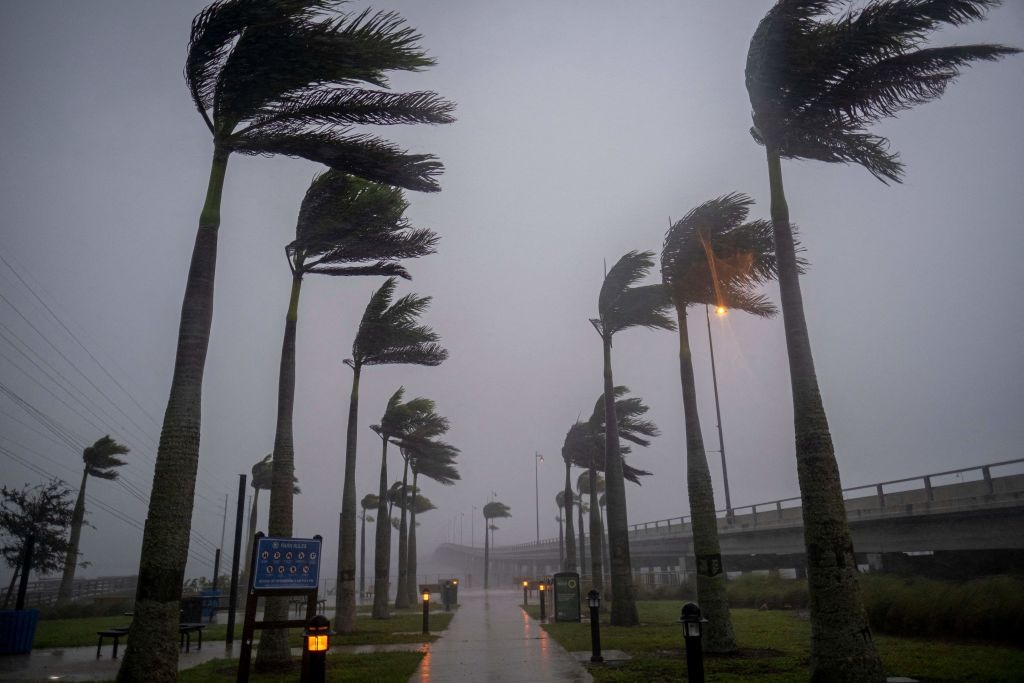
[17,630]
[191,610]
[211,601]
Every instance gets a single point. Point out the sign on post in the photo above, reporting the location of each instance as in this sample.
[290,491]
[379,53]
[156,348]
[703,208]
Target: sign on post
[287,564]
[567,596]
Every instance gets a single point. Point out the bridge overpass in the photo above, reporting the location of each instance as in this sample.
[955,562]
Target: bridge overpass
[972,517]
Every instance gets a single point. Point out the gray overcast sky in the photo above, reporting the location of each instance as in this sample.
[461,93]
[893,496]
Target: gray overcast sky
[583,127]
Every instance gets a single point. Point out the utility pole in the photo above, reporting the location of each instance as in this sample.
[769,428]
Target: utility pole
[537,459]
[718,413]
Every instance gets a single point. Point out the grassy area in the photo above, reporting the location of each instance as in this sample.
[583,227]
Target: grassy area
[403,627]
[774,648]
[389,667]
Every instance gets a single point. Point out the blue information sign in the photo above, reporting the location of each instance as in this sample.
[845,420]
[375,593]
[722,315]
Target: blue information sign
[287,564]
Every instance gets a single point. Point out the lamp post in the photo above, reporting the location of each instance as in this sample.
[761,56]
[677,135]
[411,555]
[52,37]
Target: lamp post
[720,311]
[426,612]
[316,640]
[540,595]
[526,587]
[594,603]
[537,459]
[691,620]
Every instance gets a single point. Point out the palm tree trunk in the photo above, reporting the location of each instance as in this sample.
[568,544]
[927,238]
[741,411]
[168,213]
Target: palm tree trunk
[570,536]
[583,535]
[623,595]
[362,555]
[487,553]
[596,570]
[273,651]
[345,614]
[382,544]
[67,580]
[243,582]
[561,539]
[841,645]
[402,594]
[604,545]
[152,650]
[714,604]
[412,587]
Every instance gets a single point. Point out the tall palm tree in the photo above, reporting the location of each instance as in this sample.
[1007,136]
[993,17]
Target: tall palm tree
[621,305]
[267,77]
[569,564]
[435,460]
[493,510]
[816,83]
[586,484]
[712,257]
[399,420]
[369,502]
[346,226]
[389,333]
[101,461]
[560,502]
[262,480]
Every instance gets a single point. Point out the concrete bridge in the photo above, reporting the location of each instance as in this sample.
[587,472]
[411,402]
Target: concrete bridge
[953,523]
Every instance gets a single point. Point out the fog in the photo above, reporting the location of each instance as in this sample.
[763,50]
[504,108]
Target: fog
[583,128]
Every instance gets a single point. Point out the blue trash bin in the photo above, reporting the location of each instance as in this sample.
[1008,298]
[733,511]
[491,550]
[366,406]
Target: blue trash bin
[17,630]
[211,601]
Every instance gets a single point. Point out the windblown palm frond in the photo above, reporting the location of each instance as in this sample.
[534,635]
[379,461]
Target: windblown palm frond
[817,80]
[370,501]
[388,332]
[621,305]
[101,459]
[496,509]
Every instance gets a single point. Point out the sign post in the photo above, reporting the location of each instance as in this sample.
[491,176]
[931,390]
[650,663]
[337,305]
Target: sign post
[567,596]
[280,566]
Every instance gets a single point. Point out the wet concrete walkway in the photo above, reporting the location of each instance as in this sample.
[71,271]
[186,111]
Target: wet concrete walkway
[492,640]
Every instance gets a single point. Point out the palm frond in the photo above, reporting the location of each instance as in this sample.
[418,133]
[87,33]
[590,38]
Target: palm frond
[388,268]
[362,155]
[647,306]
[496,509]
[626,272]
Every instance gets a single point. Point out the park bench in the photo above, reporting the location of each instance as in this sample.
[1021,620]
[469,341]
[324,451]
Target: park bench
[185,632]
[116,633]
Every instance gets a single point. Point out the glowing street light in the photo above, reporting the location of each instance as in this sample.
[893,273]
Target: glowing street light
[720,311]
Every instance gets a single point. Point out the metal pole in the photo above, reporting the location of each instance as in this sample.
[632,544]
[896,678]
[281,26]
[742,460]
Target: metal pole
[536,490]
[718,415]
[472,528]
[233,594]
[216,567]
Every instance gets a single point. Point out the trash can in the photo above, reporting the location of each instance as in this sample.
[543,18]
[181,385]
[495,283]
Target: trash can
[211,602]
[17,630]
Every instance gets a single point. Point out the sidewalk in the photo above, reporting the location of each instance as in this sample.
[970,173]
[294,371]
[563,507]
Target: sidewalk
[491,639]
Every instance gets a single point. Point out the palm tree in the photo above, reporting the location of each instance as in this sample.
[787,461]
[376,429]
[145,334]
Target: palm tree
[569,564]
[586,487]
[369,502]
[346,226]
[435,460]
[816,83]
[389,333]
[101,461]
[492,510]
[560,502]
[262,480]
[267,77]
[712,257]
[621,305]
[399,420]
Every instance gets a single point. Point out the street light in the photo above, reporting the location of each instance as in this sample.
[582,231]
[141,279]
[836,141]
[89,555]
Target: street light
[537,459]
[720,311]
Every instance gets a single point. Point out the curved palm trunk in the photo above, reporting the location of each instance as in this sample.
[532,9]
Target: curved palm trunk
[402,593]
[152,650]
[623,595]
[714,603]
[345,608]
[570,536]
[583,535]
[412,588]
[273,651]
[841,645]
[487,553]
[67,580]
[594,518]
[382,542]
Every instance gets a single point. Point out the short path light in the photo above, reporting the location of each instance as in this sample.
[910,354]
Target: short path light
[540,596]
[594,603]
[426,612]
[526,587]
[316,640]
[691,620]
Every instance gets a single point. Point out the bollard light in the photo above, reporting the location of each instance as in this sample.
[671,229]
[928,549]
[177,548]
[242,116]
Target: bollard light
[426,612]
[540,595]
[691,620]
[316,640]
[594,603]
[526,587]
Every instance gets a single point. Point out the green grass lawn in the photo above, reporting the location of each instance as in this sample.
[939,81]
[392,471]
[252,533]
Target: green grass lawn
[774,648]
[402,627]
[389,667]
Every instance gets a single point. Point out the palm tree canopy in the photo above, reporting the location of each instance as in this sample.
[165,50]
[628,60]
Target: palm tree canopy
[496,509]
[415,420]
[350,226]
[404,496]
[389,332]
[711,256]
[432,459]
[560,499]
[817,79]
[622,305]
[101,459]
[263,475]
[282,77]
[583,483]
[370,501]
[584,447]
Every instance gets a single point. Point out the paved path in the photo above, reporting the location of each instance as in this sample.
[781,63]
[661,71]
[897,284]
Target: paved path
[491,640]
